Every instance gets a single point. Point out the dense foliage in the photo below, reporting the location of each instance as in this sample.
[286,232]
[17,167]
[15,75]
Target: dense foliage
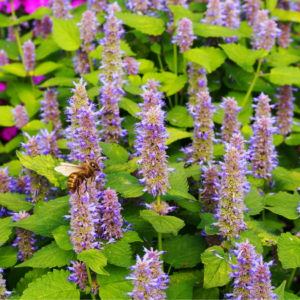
[189,114]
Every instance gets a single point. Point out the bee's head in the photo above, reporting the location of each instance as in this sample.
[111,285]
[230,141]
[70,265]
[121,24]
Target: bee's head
[94,165]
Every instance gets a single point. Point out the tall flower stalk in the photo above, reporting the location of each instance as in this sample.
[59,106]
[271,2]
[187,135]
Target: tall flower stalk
[251,8]
[61,9]
[3,58]
[231,17]
[214,13]
[20,116]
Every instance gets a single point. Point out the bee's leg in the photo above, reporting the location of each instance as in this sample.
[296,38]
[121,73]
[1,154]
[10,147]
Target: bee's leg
[79,185]
[85,184]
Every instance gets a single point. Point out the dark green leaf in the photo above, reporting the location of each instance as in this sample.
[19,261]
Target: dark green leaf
[95,259]
[62,238]
[287,180]
[8,257]
[5,229]
[280,291]
[118,254]
[14,143]
[156,48]
[46,48]
[202,293]
[180,117]
[177,85]
[115,153]
[131,237]
[15,202]
[289,250]
[11,48]
[254,201]
[181,290]
[130,106]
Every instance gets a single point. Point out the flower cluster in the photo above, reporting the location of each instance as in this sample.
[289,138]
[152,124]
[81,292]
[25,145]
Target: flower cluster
[61,9]
[231,16]
[111,220]
[3,58]
[150,144]
[231,195]
[230,123]
[112,79]
[171,26]
[264,31]
[20,116]
[97,5]
[263,107]
[4,293]
[22,185]
[6,181]
[285,110]
[185,35]
[284,38]
[114,7]
[88,27]
[131,66]
[145,7]
[163,208]
[25,239]
[214,13]
[148,278]
[48,143]
[47,25]
[29,55]
[251,8]
[81,62]
[50,110]
[202,147]
[211,186]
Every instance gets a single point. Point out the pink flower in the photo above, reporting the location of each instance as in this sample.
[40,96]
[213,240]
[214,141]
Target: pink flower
[9,132]
[32,5]
[38,79]
[77,3]
[2,87]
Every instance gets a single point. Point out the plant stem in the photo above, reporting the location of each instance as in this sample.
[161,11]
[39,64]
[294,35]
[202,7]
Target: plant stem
[160,63]
[263,216]
[252,84]
[290,281]
[169,269]
[170,102]
[90,279]
[159,233]
[16,29]
[175,69]
[184,65]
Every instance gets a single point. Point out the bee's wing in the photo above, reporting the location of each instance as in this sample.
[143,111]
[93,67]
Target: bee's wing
[67,169]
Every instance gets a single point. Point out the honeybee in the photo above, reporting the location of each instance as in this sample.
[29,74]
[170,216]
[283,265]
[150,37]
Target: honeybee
[78,174]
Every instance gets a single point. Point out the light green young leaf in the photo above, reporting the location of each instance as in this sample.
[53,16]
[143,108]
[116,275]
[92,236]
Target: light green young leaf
[286,15]
[14,143]
[131,236]
[177,85]
[5,229]
[176,134]
[38,14]
[285,75]
[6,116]
[59,81]
[280,291]
[130,106]
[54,286]
[289,250]
[15,69]
[62,238]
[287,212]
[146,66]
[33,127]
[93,78]
[282,198]
[5,21]
[118,254]
[217,57]
[198,56]
[132,89]
[95,259]
[45,68]
[126,48]
[254,201]
[179,116]
[11,48]
[14,167]
[286,180]
[293,139]
[15,202]
[8,257]
[116,153]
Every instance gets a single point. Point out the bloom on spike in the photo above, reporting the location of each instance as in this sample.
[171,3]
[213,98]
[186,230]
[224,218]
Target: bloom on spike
[29,55]
[162,209]
[284,38]
[25,239]
[38,28]
[262,151]
[148,278]
[285,110]
[97,5]
[81,62]
[50,110]
[263,107]
[47,25]
[131,66]
[231,195]
[138,6]
[20,116]
[3,58]
[202,147]
[251,8]
[211,186]
[6,185]
[230,123]
[88,27]
[11,34]
[61,9]
[114,7]
[157,4]
[185,35]
[214,13]
[111,219]
[4,293]
[48,143]
[232,20]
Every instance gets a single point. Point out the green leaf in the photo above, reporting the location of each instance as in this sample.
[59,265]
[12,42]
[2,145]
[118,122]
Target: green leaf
[287,212]
[5,21]
[114,286]
[181,290]
[14,143]
[6,116]
[118,254]
[44,165]
[49,217]
[49,256]
[243,56]
[46,48]
[163,224]
[176,134]
[280,290]
[45,68]
[62,238]
[131,237]
[289,200]
[66,34]
[29,277]
[126,48]
[93,78]
[293,139]
[179,116]
[285,179]
[14,167]
[271,4]
[129,167]
[130,106]
[254,202]
[289,250]
[202,293]
[156,48]
[285,15]
[11,48]
[145,24]
[199,57]
[131,89]
[97,53]
[38,14]
[177,85]
[95,259]
[146,66]
[285,75]
[52,286]
[186,275]
[15,202]
[15,69]
[8,257]
[183,251]
[33,127]
[216,271]
[217,57]
[5,229]
[115,153]
[207,30]
[59,81]
[282,59]
[248,234]
[290,296]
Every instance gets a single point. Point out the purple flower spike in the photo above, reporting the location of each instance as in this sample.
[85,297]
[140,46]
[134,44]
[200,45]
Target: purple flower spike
[202,147]
[47,25]
[29,55]
[25,239]
[211,187]
[88,27]
[50,110]
[4,293]
[231,195]
[230,123]
[285,110]
[81,62]
[185,35]
[114,7]
[284,38]
[214,13]
[61,9]
[6,185]
[150,143]
[140,7]
[131,66]
[263,107]
[232,20]
[162,209]
[20,116]
[251,8]
[3,58]
[111,219]
[48,143]
[148,278]
[97,5]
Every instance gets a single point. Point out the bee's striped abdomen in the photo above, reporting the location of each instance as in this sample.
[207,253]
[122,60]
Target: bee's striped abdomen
[72,182]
